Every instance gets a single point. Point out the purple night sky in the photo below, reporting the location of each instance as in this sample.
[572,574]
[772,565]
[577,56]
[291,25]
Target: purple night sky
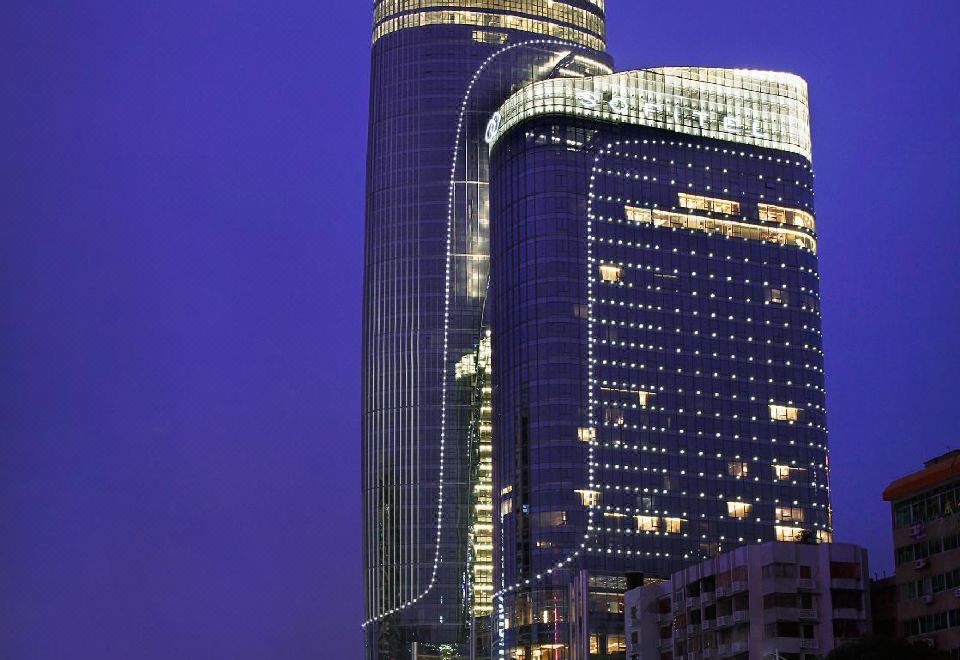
[181,223]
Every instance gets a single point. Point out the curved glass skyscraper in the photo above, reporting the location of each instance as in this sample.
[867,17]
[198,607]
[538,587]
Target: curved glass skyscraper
[657,371]
[439,69]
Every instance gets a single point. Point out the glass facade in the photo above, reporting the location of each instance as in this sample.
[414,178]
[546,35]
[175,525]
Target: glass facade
[577,21]
[760,108]
[438,70]
[658,388]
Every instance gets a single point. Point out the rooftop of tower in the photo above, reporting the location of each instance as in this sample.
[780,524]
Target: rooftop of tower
[577,21]
[760,108]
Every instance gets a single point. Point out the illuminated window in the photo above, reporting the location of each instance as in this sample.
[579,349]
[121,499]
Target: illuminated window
[586,434]
[506,506]
[636,214]
[782,472]
[613,416]
[584,20]
[594,644]
[699,203]
[784,413]
[486,37]
[643,397]
[733,229]
[672,525]
[785,215]
[738,469]
[739,509]
[551,518]
[589,497]
[790,513]
[616,643]
[777,296]
[610,273]
[787,533]
[648,523]
[824,536]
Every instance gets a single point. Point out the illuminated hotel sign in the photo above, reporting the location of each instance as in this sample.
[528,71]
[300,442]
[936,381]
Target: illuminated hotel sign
[761,108]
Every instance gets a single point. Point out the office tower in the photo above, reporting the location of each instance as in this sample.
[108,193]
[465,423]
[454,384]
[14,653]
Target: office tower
[792,601]
[658,390]
[926,541]
[438,70]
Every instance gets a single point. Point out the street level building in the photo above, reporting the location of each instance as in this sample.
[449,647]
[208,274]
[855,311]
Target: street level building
[925,507]
[775,601]
[658,388]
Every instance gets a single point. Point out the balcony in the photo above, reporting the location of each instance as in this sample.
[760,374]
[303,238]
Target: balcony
[780,614]
[733,649]
[783,644]
[693,629]
[847,613]
[780,585]
[724,621]
[846,583]
[693,602]
[741,616]
[790,614]
[739,647]
[809,644]
[738,586]
[806,584]
[707,624]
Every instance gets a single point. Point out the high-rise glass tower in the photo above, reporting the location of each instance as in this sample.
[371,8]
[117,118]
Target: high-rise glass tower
[658,388]
[439,68]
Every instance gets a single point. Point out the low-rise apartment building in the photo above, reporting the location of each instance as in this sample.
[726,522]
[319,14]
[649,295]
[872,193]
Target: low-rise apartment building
[925,508]
[775,601]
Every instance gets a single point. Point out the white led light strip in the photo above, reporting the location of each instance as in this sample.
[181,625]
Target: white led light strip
[446,311]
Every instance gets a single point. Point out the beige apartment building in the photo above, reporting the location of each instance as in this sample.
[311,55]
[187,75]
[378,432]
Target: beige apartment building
[925,508]
[775,601]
